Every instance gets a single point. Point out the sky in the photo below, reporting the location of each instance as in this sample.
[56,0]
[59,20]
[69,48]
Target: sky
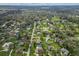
[39,3]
